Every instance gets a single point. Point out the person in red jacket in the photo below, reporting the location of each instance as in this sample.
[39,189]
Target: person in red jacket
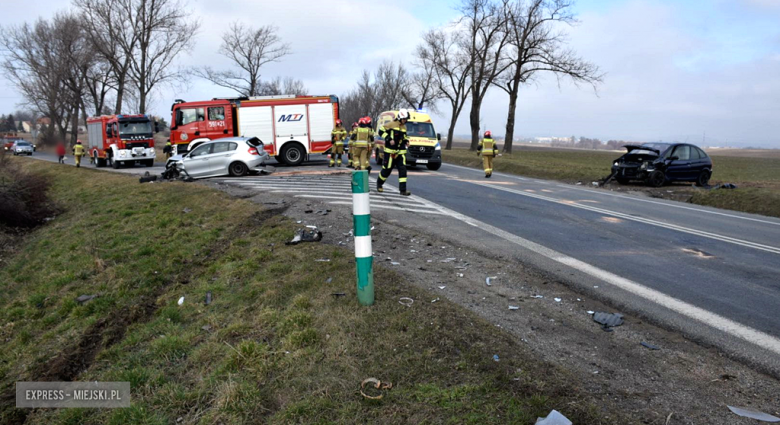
[61,152]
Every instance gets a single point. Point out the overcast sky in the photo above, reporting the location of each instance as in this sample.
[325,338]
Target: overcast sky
[674,70]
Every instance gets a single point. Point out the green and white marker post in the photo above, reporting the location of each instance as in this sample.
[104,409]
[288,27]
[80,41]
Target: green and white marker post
[364,257]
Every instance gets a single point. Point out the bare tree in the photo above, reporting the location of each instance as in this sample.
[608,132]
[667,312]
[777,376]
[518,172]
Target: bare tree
[536,46]
[279,86]
[113,38]
[36,63]
[441,53]
[164,31]
[484,39]
[422,88]
[249,49]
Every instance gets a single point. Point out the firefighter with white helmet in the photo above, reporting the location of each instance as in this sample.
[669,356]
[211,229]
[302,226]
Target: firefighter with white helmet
[396,141]
[488,150]
[337,137]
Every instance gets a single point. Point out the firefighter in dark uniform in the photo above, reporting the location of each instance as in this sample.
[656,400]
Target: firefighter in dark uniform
[396,141]
[337,137]
[488,150]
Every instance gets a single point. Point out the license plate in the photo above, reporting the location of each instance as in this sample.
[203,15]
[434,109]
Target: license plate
[422,161]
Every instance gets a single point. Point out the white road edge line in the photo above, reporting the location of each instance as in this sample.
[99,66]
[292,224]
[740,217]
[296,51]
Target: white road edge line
[670,226]
[573,187]
[716,321]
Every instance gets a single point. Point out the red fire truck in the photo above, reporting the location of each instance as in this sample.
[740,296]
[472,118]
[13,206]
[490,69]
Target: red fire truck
[291,127]
[121,140]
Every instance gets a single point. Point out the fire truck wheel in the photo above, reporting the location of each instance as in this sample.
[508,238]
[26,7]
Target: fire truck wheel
[292,154]
[116,164]
[149,163]
[101,162]
[238,169]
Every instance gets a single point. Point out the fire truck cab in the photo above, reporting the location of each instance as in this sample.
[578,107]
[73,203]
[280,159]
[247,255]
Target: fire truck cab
[121,140]
[290,127]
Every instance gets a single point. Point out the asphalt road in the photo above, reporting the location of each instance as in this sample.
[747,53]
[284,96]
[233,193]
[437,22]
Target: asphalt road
[711,274]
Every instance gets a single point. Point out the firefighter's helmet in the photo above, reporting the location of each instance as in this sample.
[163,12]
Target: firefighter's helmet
[403,114]
[488,134]
[338,122]
[354,124]
[367,120]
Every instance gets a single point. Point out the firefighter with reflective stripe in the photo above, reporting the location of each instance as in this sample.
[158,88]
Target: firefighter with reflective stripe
[78,152]
[363,141]
[352,137]
[168,150]
[488,149]
[396,141]
[337,137]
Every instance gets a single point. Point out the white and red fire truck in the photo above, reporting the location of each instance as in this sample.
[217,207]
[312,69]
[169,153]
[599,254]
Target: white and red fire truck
[120,140]
[291,127]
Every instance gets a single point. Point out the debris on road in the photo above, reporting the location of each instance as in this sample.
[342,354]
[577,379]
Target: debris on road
[435,299]
[395,263]
[554,418]
[329,280]
[487,281]
[727,186]
[187,210]
[323,260]
[448,260]
[339,294]
[181,300]
[650,346]
[406,301]
[303,235]
[81,299]
[208,297]
[608,320]
[753,414]
[537,296]
[442,287]
[495,357]
[557,300]
[377,384]
[514,307]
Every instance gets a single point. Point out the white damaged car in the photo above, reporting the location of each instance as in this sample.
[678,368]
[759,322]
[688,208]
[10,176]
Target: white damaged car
[233,156]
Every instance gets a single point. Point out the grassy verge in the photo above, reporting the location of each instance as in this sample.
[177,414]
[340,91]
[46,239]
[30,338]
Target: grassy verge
[274,345]
[758,178]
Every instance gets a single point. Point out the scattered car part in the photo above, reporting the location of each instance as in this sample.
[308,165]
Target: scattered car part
[181,301]
[406,301]
[304,235]
[208,297]
[81,299]
[487,281]
[753,414]
[608,320]
[554,418]
[650,346]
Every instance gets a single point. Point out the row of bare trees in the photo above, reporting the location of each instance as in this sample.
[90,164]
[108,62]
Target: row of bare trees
[503,44]
[76,63]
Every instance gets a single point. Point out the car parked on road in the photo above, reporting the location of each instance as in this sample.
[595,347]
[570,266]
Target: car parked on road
[21,147]
[660,163]
[234,156]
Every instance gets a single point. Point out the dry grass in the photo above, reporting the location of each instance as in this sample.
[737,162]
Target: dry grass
[274,346]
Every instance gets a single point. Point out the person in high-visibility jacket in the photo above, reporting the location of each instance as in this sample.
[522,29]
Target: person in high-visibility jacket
[337,137]
[168,150]
[78,152]
[488,150]
[360,148]
[352,137]
[396,141]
